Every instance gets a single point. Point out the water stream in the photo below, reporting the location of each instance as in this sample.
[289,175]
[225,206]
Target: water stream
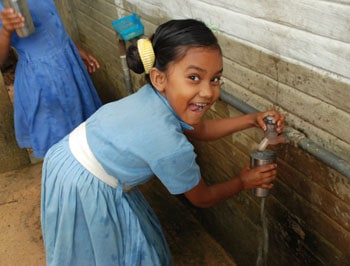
[263,247]
[271,137]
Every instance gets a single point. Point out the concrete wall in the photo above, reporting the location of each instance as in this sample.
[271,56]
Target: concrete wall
[288,55]
[290,58]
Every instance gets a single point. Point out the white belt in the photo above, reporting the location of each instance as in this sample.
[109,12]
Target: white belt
[80,149]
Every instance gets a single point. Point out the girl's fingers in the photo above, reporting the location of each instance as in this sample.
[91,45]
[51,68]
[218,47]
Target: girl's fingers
[266,174]
[11,20]
[267,186]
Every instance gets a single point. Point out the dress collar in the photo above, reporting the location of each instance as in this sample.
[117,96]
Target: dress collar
[183,124]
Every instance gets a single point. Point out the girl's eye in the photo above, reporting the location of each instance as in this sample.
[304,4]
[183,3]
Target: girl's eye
[216,81]
[194,78]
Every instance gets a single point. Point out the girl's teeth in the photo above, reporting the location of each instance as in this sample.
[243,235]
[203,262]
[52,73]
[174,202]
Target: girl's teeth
[200,106]
[197,106]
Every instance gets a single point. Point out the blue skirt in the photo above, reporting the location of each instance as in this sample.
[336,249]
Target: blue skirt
[87,222]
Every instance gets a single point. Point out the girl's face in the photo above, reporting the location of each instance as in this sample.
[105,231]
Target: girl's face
[192,84]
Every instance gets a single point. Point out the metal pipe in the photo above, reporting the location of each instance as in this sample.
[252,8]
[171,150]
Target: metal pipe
[125,68]
[127,78]
[296,138]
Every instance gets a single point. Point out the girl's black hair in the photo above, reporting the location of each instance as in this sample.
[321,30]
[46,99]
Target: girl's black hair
[171,41]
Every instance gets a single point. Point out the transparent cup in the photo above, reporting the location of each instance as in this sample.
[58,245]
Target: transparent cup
[21,7]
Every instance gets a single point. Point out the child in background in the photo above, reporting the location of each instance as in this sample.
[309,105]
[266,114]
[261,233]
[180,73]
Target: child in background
[92,212]
[53,92]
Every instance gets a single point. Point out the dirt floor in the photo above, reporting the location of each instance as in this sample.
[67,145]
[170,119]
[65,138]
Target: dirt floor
[21,238]
[8,72]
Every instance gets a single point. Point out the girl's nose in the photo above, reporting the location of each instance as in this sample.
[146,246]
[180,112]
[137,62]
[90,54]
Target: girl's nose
[206,90]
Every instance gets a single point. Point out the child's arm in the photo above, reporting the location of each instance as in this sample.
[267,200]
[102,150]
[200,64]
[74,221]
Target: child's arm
[205,196]
[10,22]
[90,61]
[217,128]
[5,38]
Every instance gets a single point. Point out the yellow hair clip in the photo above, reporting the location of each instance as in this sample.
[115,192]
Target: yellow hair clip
[145,49]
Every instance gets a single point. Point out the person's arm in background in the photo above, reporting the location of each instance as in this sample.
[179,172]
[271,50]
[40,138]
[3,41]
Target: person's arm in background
[89,60]
[10,22]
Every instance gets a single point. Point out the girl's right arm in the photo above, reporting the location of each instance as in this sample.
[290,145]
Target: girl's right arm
[205,196]
[10,22]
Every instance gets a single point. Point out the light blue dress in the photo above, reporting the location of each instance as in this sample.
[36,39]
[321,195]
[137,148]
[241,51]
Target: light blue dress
[87,222]
[53,92]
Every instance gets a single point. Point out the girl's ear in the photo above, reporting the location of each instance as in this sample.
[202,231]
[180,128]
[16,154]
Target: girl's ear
[158,79]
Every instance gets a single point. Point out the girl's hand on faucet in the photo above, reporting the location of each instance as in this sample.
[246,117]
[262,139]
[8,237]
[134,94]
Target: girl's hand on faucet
[278,119]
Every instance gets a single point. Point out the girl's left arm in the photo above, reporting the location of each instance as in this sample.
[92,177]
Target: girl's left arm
[10,22]
[217,128]
[89,60]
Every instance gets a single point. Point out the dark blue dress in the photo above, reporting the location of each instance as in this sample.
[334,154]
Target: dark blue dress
[53,92]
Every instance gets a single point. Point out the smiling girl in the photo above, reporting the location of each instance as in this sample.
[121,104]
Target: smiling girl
[92,211]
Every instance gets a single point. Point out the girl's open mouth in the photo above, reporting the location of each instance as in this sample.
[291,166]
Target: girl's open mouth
[197,107]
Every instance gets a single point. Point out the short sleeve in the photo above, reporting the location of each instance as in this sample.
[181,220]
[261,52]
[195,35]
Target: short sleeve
[1,8]
[178,172]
